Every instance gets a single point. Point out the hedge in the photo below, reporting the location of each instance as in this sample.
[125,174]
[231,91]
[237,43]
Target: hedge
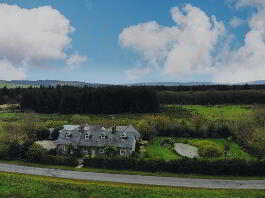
[185,166]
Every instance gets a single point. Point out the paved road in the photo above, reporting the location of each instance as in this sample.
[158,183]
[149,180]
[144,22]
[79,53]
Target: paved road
[136,179]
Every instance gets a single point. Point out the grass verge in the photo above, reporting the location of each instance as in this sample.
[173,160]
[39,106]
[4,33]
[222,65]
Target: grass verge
[24,186]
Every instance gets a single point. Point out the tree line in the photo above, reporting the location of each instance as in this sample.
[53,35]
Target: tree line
[124,99]
[213,97]
[88,100]
[209,87]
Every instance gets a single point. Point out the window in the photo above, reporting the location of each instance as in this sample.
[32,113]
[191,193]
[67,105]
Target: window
[124,137]
[122,152]
[87,136]
[67,135]
[101,151]
[103,137]
[64,148]
[85,150]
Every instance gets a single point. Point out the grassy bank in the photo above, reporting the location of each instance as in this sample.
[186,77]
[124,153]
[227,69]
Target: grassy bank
[24,186]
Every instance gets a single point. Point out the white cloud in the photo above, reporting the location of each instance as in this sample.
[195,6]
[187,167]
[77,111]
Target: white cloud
[236,22]
[33,35]
[247,62]
[183,49]
[199,44]
[246,3]
[75,60]
[9,72]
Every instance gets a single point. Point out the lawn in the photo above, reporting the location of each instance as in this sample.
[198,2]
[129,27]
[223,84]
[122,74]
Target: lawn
[235,152]
[26,186]
[155,151]
[227,112]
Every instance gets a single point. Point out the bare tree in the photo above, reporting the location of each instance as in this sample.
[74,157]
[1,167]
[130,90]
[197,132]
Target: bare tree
[259,116]
[30,124]
[14,133]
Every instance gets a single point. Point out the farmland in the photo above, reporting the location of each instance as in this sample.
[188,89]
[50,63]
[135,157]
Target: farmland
[24,186]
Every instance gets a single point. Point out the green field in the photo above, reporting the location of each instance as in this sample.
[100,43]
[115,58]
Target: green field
[27,186]
[227,112]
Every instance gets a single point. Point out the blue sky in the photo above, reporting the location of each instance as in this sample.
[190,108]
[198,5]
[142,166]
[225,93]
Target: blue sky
[99,23]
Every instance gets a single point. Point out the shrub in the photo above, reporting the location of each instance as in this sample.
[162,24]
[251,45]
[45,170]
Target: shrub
[209,149]
[182,166]
[36,153]
[4,151]
[42,134]
[170,142]
[55,134]
[111,151]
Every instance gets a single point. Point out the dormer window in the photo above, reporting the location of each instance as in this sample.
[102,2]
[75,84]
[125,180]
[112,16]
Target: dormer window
[103,136]
[124,137]
[67,135]
[87,136]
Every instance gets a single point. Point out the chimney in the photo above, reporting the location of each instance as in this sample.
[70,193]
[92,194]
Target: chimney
[113,129]
[113,125]
[81,128]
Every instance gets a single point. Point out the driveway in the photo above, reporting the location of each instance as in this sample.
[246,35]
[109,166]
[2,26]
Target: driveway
[136,179]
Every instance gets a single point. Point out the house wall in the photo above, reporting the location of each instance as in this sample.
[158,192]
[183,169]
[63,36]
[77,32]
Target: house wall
[90,150]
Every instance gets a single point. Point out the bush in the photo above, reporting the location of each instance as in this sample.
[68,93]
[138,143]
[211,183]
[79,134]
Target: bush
[4,151]
[55,134]
[59,160]
[36,153]
[42,134]
[183,166]
[170,142]
[208,148]
[16,151]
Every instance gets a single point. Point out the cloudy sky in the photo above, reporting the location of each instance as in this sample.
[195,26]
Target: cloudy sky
[126,41]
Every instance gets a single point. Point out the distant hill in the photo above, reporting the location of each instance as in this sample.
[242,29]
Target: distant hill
[46,83]
[37,83]
[258,82]
[173,83]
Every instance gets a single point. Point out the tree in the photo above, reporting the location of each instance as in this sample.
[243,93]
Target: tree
[197,121]
[14,133]
[30,121]
[244,130]
[146,129]
[78,119]
[36,153]
[70,149]
[259,116]
[111,151]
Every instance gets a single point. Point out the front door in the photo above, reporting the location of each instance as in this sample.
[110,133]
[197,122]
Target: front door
[93,152]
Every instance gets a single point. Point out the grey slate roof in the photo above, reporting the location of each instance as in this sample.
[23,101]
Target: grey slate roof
[77,136]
